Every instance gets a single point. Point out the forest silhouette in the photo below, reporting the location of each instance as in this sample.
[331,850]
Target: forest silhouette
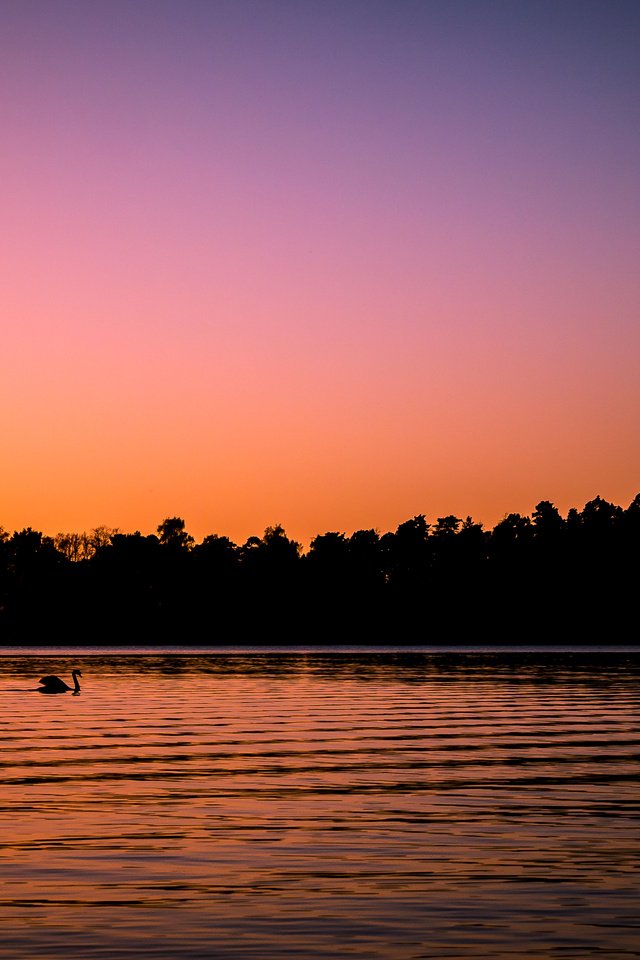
[539,578]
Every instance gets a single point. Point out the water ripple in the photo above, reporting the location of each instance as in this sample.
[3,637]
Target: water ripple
[373,805]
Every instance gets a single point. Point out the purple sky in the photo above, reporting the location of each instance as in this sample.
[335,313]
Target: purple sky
[329,264]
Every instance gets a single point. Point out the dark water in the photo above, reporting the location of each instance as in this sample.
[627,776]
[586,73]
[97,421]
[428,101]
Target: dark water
[362,804]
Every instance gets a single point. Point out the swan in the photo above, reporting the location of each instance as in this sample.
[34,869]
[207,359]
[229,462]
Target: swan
[56,685]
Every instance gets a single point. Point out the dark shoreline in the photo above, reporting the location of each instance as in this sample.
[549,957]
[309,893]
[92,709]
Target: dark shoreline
[196,649]
[540,579]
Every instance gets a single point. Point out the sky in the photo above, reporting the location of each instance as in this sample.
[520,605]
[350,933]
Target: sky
[323,263]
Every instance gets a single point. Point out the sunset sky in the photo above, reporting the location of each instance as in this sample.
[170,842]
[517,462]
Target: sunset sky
[324,263]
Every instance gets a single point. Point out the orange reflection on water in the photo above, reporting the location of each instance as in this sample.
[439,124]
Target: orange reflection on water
[373,805]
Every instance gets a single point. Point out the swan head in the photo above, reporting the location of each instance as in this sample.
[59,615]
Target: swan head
[76,673]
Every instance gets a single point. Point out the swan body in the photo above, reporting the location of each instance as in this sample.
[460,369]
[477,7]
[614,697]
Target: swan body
[56,685]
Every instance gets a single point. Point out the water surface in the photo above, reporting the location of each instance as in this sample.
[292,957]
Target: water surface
[321,804]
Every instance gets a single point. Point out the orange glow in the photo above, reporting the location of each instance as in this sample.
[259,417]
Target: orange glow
[232,296]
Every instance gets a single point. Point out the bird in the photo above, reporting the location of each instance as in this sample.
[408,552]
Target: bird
[56,685]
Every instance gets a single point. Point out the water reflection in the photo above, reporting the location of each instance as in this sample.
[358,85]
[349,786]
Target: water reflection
[317,804]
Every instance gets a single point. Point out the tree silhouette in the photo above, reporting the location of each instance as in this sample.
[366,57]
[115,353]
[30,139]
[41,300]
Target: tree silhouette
[172,534]
[540,577]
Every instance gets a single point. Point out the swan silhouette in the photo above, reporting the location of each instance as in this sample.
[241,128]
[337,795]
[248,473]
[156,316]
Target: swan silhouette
[56,685]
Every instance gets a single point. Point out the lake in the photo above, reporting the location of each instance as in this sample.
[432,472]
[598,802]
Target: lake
[373,803]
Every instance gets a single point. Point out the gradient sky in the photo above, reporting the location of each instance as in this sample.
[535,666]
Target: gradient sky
[324,263]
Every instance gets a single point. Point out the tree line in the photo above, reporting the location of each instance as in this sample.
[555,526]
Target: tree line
[538,578]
